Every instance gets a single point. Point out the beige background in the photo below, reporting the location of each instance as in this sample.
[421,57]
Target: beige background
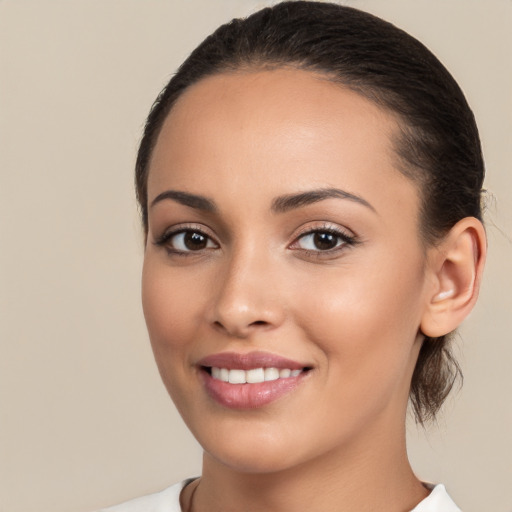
[84,420]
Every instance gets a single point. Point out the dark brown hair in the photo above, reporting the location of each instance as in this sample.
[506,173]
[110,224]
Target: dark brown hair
[438,146]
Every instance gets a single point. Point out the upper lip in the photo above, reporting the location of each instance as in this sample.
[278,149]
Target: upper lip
[234,360]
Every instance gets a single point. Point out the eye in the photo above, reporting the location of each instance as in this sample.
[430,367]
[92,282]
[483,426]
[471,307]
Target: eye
[323,240]
[186,241]
[319,241]
[190,241]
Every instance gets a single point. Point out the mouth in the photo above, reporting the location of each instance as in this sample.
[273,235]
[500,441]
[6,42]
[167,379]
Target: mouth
[249,381]
[252,376]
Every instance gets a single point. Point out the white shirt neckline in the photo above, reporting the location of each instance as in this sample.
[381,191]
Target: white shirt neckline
[168,500]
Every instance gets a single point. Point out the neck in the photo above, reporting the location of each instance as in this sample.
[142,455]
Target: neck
[372,474]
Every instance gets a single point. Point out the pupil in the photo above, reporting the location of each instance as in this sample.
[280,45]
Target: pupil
[194,241]
[325,241]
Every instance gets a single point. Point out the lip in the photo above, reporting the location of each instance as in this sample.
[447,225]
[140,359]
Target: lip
[232,360]
[249,396]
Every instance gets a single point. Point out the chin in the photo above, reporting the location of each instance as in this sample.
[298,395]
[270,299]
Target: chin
[253,459]
[250,448]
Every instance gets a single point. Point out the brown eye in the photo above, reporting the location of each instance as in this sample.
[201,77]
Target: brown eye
[321,241]
[190,241]
[194,241]
[325,241]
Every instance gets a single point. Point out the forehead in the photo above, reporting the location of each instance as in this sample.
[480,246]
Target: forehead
[269,131]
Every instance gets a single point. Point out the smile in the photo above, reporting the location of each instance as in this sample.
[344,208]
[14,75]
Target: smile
[250,381]
[254,376]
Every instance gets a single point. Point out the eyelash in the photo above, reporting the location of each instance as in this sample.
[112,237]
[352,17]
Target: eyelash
[163,240]
[343,240]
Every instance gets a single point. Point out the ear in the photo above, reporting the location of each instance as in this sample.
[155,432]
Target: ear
[455,267]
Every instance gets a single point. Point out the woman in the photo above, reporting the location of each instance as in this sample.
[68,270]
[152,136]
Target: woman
[309,183]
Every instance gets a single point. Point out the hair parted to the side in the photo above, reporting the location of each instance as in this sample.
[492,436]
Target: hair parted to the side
[438,147]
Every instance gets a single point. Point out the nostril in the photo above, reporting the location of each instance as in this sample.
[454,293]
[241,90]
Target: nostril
[219,326]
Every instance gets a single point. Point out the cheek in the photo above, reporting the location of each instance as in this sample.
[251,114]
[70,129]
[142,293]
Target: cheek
[170,306]
[366,321]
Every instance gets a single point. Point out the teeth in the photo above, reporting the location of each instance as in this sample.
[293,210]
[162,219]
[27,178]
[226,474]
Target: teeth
[271,374]
[236,377]
[253,376]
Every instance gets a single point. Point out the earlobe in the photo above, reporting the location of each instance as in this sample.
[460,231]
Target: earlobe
[455,269]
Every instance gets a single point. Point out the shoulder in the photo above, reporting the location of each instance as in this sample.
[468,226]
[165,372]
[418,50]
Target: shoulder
[167,500]
[437,501]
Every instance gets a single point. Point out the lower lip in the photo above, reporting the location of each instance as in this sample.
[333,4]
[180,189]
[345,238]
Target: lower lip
[249,396]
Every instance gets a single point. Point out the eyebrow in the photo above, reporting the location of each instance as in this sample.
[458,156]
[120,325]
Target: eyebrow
[289,202]
[281,204]
[185,198]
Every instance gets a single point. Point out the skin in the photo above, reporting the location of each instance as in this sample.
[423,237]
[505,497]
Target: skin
[337,442]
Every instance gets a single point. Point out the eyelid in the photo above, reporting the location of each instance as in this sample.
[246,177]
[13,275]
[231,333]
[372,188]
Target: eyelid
[174,230]
[324,226]
[347,237]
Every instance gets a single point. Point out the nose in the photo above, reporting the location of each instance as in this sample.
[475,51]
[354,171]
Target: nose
[248,299]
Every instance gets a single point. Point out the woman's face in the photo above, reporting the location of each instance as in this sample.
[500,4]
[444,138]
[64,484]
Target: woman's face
[283,250]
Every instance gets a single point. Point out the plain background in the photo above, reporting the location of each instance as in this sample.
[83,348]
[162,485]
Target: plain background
[84,419]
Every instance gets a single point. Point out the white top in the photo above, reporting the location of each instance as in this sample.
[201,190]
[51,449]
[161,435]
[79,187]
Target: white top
[168,500]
